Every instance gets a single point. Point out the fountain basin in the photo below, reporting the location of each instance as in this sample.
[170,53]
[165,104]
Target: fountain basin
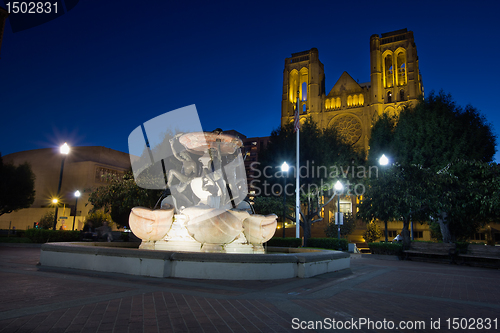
[124,258]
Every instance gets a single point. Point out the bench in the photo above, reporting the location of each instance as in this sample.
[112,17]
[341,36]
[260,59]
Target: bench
[431,251]
[482,255]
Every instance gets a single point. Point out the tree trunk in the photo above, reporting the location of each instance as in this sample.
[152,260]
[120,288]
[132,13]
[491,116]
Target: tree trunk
[306,227]
[385,232]
[443,225]
[405,233]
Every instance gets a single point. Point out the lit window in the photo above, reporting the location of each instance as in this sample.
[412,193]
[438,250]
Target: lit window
[345,206]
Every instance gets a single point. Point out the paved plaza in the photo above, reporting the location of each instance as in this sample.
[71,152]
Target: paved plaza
[373,296]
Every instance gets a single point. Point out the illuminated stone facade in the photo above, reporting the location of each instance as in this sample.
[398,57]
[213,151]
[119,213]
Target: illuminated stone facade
[84,168]
[351,107]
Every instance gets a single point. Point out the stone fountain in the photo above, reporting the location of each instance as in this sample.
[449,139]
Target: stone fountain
[203,212]
[203,228]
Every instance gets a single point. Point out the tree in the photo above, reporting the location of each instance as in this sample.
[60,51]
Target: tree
[469,192]
[382,138]
[120,196]
[325,157]
[268,205]
[372,233]
[437,132]
[433,145]
[17,187]
[399,193]
[47,220]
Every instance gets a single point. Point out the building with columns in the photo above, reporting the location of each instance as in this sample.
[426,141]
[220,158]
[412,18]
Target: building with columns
[350,106]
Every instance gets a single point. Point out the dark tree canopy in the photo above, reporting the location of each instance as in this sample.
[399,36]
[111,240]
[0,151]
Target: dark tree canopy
[382,139]
[437,132]
[318,148]
[17,187]
[442,153]
[120,196]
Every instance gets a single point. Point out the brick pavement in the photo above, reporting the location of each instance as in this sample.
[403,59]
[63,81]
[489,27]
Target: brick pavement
[40,299]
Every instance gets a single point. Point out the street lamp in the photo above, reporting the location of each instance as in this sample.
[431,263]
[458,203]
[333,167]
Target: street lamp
[338,187]
[284,168]
[77,195]
[64,149]
[383,161]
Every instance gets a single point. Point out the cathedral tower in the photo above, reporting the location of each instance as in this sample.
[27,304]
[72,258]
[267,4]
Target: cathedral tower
[395,76]
[303,74]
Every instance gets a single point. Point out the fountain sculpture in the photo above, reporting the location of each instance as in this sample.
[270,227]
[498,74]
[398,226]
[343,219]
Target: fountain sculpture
[204,181]
[205,211]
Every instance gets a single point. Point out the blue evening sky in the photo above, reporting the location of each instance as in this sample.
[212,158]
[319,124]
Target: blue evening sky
[97,72]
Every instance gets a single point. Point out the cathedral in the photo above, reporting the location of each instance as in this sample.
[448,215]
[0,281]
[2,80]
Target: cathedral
[352,107]
[349,106]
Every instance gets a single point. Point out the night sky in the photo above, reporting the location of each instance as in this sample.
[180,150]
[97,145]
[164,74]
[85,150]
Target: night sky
[97,72]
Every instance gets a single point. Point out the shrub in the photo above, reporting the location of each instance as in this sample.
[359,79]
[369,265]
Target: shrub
[44,235]
[328,243]
[98,217]
[462,247]
[386,248]
[47,220]
[285,242]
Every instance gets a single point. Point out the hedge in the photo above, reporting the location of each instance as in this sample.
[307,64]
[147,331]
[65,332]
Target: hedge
[46,235]
[328,243]
[386,248]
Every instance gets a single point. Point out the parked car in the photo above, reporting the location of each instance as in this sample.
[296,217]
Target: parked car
[398,238]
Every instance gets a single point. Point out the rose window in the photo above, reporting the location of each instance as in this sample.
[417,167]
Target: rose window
[349,127]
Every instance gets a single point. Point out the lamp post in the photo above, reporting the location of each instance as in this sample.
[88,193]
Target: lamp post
[383,161]
[284,168]
[77,195]
[338,187]
[64,149]
[55,202]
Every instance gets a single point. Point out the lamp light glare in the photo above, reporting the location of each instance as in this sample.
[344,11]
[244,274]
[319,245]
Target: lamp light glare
[64,149]
[338,186]
[383,160]
[284,167]
[54,200]
[77,193]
